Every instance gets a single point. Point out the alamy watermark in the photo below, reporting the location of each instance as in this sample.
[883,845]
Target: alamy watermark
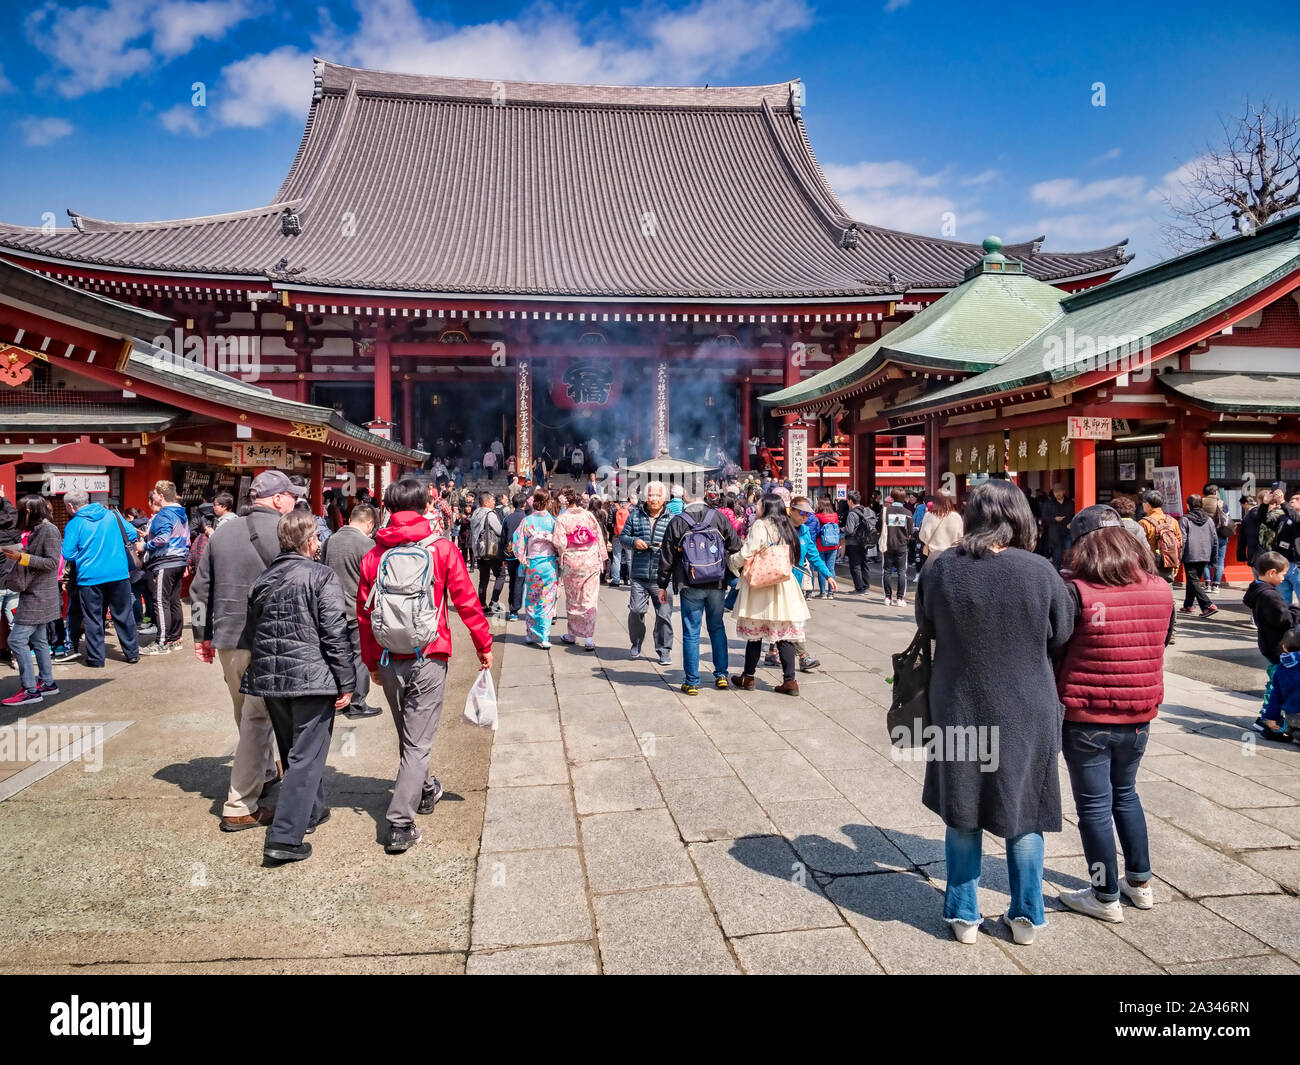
[53,743]
[1085,352]
[241,354]
[920,742]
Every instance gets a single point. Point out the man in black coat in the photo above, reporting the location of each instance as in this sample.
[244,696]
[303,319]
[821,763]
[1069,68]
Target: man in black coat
[302,665]
[1056,514]
[240,549]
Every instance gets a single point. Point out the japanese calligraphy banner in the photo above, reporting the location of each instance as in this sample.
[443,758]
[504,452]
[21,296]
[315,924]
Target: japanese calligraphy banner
[258,453]
[985,453]
[796,443]
[1041,447]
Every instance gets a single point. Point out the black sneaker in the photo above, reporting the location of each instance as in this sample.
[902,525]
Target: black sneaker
[429,797]
[286,852]
[319,821]
[66,655]
[47,689]
[362,711]
[401,839]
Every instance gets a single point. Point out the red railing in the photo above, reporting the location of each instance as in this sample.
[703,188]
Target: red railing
[900,463]
[838,469]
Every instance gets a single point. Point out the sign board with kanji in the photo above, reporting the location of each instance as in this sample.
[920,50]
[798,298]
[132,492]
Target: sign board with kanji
[1084,428]
[796,442]
[1041,447]
[259,453]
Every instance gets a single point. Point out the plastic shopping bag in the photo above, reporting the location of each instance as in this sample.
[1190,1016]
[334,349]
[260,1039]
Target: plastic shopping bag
[481,704]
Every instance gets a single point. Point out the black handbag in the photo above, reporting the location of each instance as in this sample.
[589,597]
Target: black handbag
[909,708]
[133,571]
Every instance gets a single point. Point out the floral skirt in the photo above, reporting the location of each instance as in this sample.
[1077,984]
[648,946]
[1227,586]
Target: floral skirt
[754,629]
[580,591]
[541,590]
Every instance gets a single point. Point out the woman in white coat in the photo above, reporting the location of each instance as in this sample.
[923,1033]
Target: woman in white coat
[942,526]
[776,613]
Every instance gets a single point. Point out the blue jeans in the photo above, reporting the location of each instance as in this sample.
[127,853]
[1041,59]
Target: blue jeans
[1220,562]
[1103,763]
[702,604]
[23,640]
[828,558]
[1290,584]
[963,849]
[733,590]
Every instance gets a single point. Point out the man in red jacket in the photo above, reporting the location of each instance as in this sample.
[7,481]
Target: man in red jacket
[414,685]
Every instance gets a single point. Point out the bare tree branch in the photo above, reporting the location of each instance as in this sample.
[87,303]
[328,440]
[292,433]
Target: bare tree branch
[1250,177]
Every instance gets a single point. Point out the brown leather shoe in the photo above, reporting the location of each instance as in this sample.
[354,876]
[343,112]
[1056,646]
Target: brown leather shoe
[264,816]
[787,687]
[743,682]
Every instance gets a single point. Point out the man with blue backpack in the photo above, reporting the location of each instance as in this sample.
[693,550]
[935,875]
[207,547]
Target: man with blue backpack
[693,558]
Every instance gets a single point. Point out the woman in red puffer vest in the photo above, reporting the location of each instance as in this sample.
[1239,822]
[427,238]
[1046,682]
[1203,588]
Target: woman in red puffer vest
[1111,681]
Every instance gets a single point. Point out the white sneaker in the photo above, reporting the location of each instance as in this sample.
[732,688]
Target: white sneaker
[965,931]
[1141,895]
[635,652]
[888,601]
[589,644]
[1086,902]
[1022,928]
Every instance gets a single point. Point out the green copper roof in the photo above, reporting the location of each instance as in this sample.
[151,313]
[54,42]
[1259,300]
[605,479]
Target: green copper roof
[1100,326]
[972,328]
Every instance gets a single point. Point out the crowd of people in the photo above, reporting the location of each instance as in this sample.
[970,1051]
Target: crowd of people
[307,614]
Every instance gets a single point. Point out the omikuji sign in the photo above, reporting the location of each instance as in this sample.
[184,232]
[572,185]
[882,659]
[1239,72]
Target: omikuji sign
[797,445]
[258,453]
[61,483]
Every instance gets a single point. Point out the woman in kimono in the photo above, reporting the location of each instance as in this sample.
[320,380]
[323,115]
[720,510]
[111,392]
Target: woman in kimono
[534,548]
[581,548]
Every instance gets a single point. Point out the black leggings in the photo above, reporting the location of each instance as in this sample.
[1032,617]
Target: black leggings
[784,648]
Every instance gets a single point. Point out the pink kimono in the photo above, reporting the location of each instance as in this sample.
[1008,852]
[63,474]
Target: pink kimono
[581,548]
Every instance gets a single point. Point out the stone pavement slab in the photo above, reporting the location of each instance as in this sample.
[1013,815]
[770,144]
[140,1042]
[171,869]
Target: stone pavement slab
[637,849]
[820,952]
[666,930]
[567,959]
[530,897]
[758,884]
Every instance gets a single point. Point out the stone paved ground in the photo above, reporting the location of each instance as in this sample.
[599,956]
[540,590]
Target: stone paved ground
[615,825]
[630,828]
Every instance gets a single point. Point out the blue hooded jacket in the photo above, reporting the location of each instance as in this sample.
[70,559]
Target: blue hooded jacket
[167,543]
[92,541]
[1284,699]
[808,552]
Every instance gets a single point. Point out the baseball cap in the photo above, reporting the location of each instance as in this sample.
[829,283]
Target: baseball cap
[1090,519]
[272,482]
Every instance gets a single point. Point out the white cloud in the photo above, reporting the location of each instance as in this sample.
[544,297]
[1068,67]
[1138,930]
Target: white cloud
[5,84]
[182,118]
[38,132]
[982,178]
[894,5]
[1066,192]
[1081,230]
[266,86]
[893,194]
[1107,156]
[177,26]
[651,46]
[93,48]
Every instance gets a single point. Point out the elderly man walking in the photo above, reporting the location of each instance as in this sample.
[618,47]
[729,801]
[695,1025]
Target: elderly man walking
[642,534]
[238,552]
[95,541]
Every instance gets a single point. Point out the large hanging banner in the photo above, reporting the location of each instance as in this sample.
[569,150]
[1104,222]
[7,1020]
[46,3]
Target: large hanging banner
[659,427]
[524,419]
[796,444]
[584,383]
[1042,447]
[982,453]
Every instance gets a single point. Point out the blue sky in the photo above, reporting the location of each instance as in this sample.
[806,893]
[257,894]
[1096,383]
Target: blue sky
[923,112]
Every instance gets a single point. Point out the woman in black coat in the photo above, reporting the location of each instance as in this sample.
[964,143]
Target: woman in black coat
[302,665]
[996,612]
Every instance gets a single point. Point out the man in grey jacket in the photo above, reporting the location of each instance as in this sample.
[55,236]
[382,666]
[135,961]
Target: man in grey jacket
[1200,548]
[236,556]
[343,554]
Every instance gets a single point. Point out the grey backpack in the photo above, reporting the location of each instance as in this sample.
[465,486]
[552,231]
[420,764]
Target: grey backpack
[403,615]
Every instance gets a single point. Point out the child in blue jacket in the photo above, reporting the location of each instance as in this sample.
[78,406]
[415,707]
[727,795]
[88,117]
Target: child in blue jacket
[1284,699]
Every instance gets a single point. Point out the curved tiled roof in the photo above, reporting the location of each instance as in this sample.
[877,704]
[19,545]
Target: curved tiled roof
[460,186]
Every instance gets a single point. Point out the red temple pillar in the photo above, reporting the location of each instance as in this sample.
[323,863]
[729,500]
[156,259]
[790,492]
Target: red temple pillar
[935,458]
[659,428]
[1085,473]
[1184,446]
[863,474]
[317,482]
[302,366]
[746,406]
[408,410]
[383,378]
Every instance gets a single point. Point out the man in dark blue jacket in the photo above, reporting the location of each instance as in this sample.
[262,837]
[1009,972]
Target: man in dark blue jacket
[642,534]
